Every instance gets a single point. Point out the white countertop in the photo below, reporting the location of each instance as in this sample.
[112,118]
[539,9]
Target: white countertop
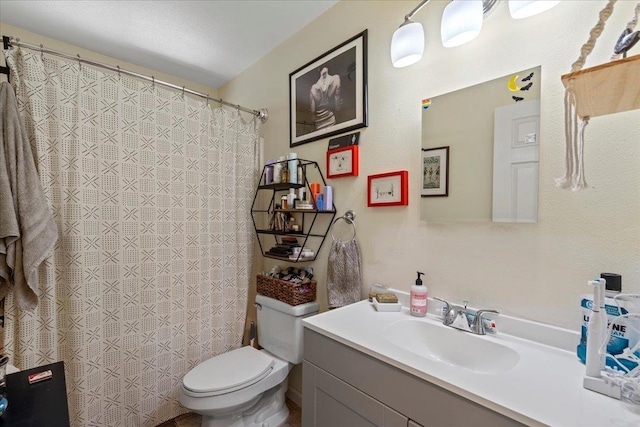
[544,388]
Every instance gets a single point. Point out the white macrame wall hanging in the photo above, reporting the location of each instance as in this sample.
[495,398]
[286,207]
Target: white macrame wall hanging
[608,88]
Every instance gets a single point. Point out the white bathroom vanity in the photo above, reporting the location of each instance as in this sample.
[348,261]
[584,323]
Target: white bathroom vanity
[362,367]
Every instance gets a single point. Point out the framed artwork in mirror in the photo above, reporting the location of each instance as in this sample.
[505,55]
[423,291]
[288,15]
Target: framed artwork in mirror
[435,172]
[328,95]
[342,162]
[388,189]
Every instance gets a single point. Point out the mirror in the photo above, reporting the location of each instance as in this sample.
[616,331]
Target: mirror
[480,151]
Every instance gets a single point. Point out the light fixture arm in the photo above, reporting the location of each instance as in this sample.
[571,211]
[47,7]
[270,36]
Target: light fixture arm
[487,5]
[408,16]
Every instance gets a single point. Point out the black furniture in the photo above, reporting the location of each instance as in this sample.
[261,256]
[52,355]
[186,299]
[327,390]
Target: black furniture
[37,405]
[314,224]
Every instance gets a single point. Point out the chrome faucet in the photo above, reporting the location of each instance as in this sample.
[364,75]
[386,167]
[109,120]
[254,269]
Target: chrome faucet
[458,317]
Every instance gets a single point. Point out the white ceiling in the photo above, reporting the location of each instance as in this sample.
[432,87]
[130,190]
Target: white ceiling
[207,42]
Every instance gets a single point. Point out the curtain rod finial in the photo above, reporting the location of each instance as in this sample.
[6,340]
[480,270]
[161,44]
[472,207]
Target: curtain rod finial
[263,115]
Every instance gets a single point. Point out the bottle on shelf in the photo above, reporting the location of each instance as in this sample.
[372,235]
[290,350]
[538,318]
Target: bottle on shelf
[315,192]
[327,193]
[277,171]
[268,172]
[285,172]
[291,198]
[293,168]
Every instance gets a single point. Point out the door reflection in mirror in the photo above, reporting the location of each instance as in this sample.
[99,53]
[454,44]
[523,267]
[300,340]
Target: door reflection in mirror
[492,130]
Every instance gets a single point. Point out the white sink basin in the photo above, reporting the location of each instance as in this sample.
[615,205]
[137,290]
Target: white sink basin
[451,346]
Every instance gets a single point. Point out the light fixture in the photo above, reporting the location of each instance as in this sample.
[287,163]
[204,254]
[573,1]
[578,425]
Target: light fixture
[526,8]
[461,22]
[407,43]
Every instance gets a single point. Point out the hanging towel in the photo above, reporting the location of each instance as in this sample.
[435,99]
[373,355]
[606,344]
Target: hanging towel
[344,273]
[27,229]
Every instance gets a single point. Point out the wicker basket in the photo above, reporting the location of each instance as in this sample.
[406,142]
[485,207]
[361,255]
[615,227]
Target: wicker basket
[291,293]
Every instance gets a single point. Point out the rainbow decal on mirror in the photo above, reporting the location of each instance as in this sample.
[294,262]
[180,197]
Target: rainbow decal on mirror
[426,103]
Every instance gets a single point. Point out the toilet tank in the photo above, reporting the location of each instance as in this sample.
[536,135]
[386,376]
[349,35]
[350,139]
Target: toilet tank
[280,327]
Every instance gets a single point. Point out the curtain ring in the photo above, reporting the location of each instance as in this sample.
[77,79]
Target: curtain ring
[41,52]
[221,103]
[207,100]
[13,41]
[182,92]
[118,71]
[79,61]
[153,82]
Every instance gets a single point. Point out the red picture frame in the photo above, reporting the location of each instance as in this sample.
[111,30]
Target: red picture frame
[388,189]
[342,162]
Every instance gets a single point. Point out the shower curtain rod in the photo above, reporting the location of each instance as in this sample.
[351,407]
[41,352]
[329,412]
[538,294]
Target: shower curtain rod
[9,41]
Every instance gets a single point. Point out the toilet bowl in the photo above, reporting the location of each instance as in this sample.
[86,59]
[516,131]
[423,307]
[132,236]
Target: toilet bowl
[246,387]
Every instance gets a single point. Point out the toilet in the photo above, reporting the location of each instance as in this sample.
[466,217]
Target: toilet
[245,387]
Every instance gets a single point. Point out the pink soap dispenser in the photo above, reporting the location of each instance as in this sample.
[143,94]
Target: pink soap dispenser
[418,298]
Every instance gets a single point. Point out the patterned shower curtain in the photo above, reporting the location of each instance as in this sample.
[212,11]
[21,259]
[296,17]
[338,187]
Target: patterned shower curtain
[151,192]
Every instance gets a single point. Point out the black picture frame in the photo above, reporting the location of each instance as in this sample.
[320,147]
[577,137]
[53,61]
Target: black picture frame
[328,95]
[435,172]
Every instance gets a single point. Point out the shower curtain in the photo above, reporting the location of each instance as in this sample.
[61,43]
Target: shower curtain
[151,193]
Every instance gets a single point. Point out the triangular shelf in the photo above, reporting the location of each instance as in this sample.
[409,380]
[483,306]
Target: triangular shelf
[608,88]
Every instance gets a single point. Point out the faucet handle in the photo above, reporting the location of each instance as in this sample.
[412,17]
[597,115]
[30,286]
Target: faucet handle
[478,327]
[445,302]
[446,307]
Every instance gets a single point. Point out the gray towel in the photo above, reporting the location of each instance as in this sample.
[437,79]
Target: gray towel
[27,230]
[344,273]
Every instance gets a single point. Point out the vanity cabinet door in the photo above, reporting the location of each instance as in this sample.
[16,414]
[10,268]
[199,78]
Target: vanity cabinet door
[330,402]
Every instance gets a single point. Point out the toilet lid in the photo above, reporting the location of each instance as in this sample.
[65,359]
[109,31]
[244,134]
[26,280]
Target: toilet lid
[229,371]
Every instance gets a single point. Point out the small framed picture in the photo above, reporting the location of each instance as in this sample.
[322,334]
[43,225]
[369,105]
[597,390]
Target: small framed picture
[342,162]
[388,189]
[435,172]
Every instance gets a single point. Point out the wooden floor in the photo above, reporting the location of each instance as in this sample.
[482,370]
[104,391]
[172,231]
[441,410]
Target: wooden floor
[194,420]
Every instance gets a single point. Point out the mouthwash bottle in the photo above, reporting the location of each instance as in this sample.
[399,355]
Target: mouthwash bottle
[621,335]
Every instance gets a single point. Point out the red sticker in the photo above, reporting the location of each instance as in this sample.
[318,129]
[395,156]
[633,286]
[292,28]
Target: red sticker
[40,376]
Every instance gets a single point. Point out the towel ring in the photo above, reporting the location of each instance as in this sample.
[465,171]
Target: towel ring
[349,217]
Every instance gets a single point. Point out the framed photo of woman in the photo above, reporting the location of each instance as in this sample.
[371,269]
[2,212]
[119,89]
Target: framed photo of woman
[328,95]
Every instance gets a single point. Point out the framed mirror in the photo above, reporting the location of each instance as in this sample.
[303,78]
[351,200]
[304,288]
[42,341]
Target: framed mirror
[491,135]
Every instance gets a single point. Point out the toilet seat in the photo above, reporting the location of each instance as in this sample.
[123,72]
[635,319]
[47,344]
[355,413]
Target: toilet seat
[228,372]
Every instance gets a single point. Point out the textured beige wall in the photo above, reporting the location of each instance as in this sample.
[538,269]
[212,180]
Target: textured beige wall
[535,271]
